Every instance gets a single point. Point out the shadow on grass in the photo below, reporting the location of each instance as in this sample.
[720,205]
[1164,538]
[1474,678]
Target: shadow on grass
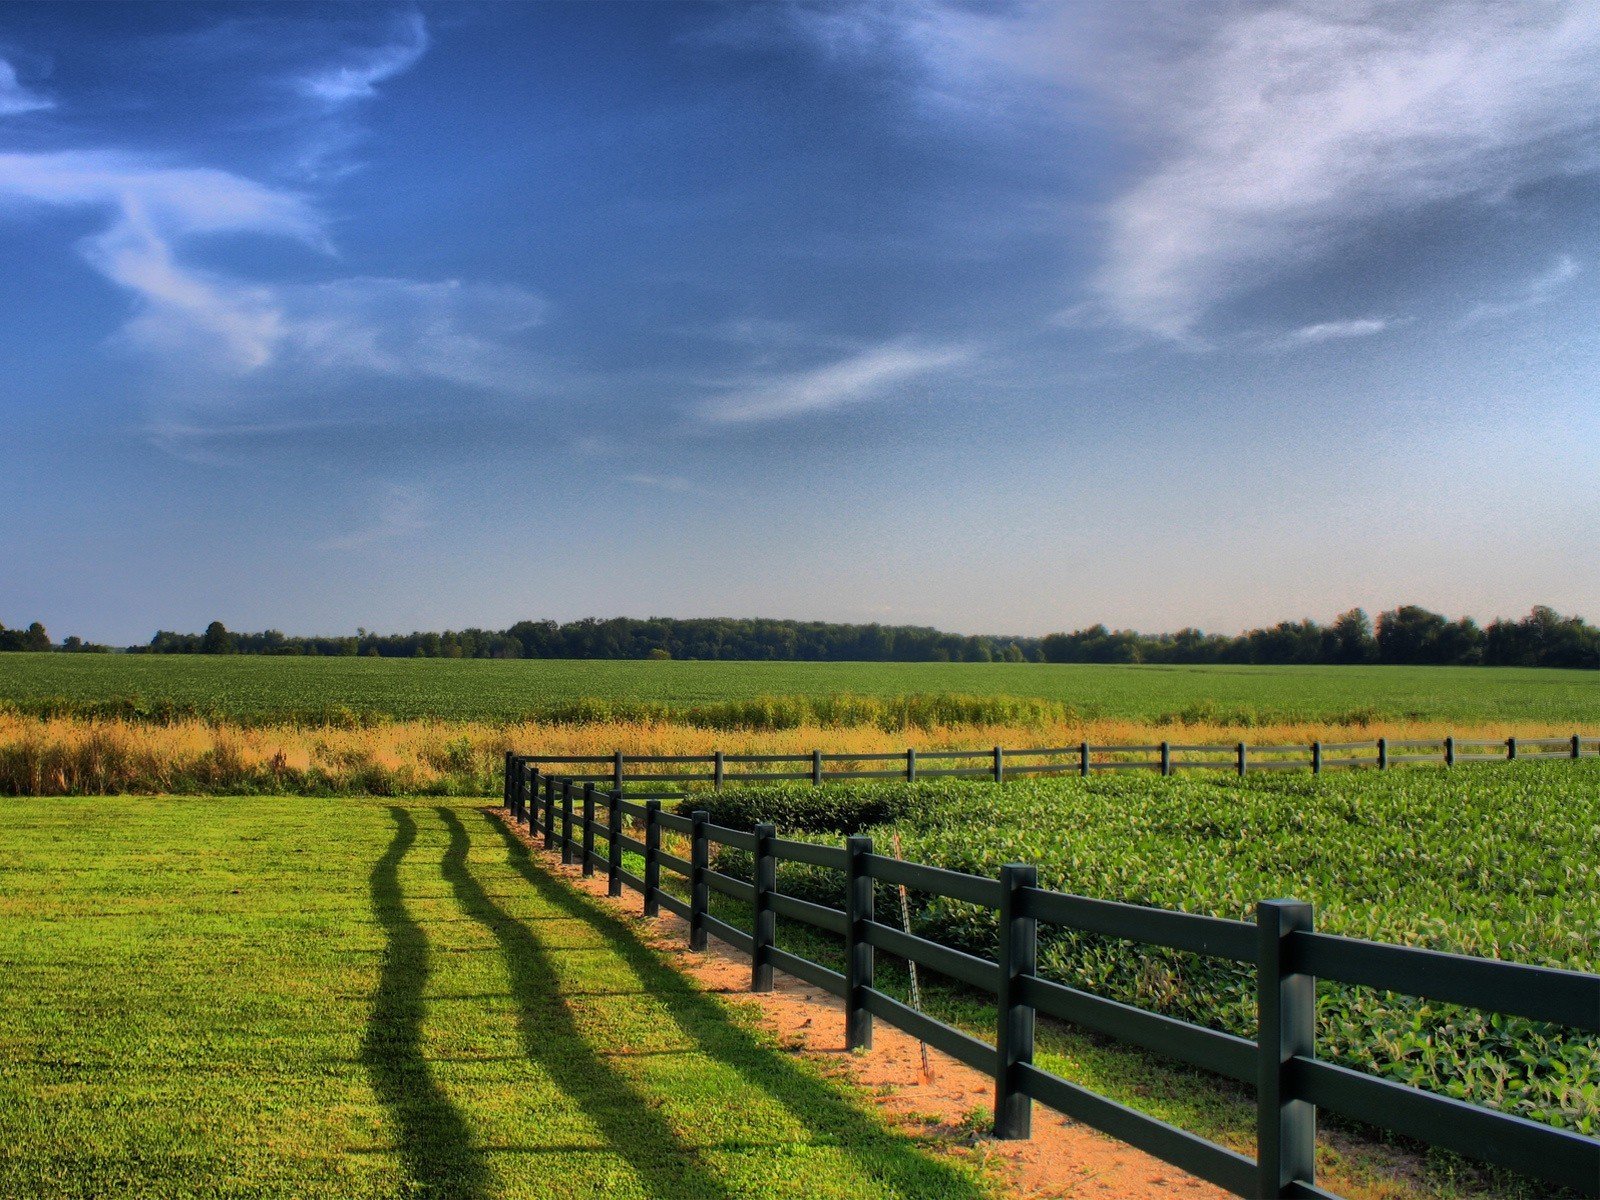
[895,1165]
[436,1147]
[631,1128]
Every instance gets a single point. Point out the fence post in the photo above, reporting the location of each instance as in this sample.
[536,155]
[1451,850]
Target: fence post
[1243,752]
[510,759]
[764,928]
[587,861]
[699,887]
[716,769]
[549,812]
[858,964]
[1450,751]
[1286,1005]
[816,767]
[616,770]
[1083,758]
[911,762]
[1166,758]
[530,803]
[1019,958]
[614,844]
[566,822]
[1577,746]
[1383,754]
[999,765]
[1511,749]
[652,864]
[1316,758]
[515,782]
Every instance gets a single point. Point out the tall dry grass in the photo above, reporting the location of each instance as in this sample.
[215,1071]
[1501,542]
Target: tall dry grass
[66,755]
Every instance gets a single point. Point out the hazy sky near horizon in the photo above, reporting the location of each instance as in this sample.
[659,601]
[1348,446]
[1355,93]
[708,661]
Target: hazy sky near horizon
[1001,318]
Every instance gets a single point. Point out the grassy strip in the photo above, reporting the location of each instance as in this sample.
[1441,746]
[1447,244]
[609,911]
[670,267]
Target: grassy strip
[288,998]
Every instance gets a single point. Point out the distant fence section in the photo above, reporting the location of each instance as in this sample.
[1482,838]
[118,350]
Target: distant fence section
[572,815]
[997,763]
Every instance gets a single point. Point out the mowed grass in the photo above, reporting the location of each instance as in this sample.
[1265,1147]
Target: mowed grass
[293,997]
[253,688]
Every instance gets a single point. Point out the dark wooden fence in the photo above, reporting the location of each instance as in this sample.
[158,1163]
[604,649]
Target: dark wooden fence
[1289,956]
[1168,758]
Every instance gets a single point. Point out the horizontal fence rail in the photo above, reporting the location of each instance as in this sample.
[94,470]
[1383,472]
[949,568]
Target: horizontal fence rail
[998,763]
[1282,945]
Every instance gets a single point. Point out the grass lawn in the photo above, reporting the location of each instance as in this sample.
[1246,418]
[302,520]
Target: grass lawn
[292,997]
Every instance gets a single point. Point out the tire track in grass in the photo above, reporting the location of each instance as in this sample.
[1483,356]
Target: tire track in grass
[435,1145]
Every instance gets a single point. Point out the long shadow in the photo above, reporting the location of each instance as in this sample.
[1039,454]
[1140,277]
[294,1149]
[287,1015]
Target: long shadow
[896,1165]
[436,1147]
[627,1122]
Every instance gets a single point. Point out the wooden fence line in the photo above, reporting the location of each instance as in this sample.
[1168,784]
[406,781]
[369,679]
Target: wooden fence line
[1282,944]
[998,763]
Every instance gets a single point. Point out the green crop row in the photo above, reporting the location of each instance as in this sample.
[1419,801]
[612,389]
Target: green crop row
[742,695]
[1497,861]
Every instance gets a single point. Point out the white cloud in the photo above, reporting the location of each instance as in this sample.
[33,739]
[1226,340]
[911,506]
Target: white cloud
[155,211]
[869,375]
[1333,331]
[449,331]
[1266,135]
[1288,127]
[401,512]
[357,77]
[16,99]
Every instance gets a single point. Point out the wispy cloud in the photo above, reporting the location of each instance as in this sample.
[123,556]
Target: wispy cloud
[1264,136]
[870,375]
[1541,289]
[1334,331]
[402,511]
[154,212]
[677,485]
[1283,130]
[203,319]
[364,67]
[16,99]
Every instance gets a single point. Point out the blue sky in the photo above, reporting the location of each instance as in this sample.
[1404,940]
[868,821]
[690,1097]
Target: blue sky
[999,318]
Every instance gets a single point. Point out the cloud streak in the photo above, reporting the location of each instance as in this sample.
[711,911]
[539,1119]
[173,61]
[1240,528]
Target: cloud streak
[449,331]
[1287,129]
[1539,290]
[870,375]
[358,77]
[1261,137]
[1335,331]
[16,99]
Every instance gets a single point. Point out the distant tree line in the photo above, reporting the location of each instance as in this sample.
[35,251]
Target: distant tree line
[34,637]
[1405,635]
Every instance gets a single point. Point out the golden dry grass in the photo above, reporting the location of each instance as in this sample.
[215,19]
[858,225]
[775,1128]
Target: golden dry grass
[77,755]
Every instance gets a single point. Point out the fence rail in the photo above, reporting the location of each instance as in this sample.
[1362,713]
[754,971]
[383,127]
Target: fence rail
[998,763]
[1282,944]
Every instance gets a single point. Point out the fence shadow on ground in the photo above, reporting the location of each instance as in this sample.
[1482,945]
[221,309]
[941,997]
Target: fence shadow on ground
[896,1164]
[436,1147]
[666,1165]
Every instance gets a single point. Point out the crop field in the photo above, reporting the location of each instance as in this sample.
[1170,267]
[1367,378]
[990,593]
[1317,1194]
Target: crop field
[745,695]
[1497,861]
[304,998]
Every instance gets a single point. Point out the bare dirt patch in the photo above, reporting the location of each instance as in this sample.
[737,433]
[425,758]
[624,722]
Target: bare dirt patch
[948,1108]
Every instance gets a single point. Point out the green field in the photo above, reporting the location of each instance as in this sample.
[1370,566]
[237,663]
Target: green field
[301,998]
[249,688]
[1495,860]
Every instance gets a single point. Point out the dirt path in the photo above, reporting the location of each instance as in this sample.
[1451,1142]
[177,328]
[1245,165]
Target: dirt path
[1063,1158]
